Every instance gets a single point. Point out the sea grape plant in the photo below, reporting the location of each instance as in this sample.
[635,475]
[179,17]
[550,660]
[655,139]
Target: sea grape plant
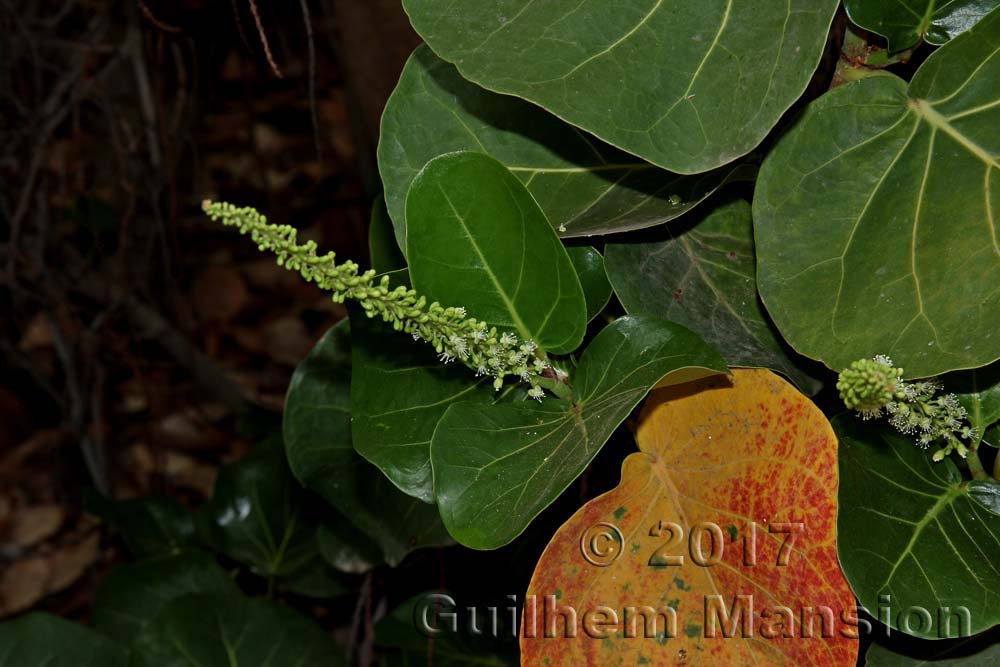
[746,207]
[586,201]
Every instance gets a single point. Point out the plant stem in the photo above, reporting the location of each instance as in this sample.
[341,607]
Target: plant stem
[560,389]
[976,465]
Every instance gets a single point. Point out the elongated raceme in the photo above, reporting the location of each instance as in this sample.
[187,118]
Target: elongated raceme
[453,334]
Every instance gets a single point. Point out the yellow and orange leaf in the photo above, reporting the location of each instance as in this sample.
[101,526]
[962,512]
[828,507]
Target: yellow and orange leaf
[717,549]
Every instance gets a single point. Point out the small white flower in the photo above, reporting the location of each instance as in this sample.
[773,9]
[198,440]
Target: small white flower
[460,346]
[481,371]
[871,414]
[446,357]
[508,339]
[416,336]
[536,393]
[460,311]
[481,335]
[882,359]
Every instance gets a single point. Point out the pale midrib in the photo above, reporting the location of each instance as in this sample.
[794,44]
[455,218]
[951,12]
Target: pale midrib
[521,327]
[918,529]
[674,494]
[923,110]
[928,16]
[616,43]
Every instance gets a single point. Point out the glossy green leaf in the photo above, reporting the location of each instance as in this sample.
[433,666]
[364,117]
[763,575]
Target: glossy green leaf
[687,86]
[875,216]
[915,531]
[232,631]
[134,593]
[150,526]
[477,239]
[979,651]
[496,467]
[978,391]
[259,516]
[346,548]
[905,22]
[318,445]
[382,246]
[589,265]
[583,185]
[42,639]
[399,391]
[404,644]
[703,276]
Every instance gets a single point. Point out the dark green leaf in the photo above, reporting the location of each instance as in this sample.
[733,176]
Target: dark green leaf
[589,265]
[318,445]
[451,646]
[703,277]
[496,467]
[232,631]
[688,86]
[875,217]
[134,593]
[477,239]
[905,22]
[42,639]
[912,530]
[257,516]
[346,548]
[400,390]
[583,185]
[979,651]
[150,526]
[385,252]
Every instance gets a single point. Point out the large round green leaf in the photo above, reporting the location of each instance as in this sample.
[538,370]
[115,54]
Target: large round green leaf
[497,467]
[905,22]
[688,86]
[231,630]
[589,265]
[399,391]
[979,651]
[133,594]
[402,633]
[913,535]
[317,429]
[876,216]
[583,185]
[702,276]
[259,516]
[477,239]
[42,639]
[383,248]
[150,526]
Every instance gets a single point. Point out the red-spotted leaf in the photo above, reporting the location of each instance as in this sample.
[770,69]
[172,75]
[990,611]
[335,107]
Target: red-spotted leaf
[717,548]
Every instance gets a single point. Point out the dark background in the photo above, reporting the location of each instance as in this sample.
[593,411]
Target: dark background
[136,337]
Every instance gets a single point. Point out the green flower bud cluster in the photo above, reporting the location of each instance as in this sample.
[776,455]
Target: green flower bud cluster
[875,387]
[453,334]
[868,385]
